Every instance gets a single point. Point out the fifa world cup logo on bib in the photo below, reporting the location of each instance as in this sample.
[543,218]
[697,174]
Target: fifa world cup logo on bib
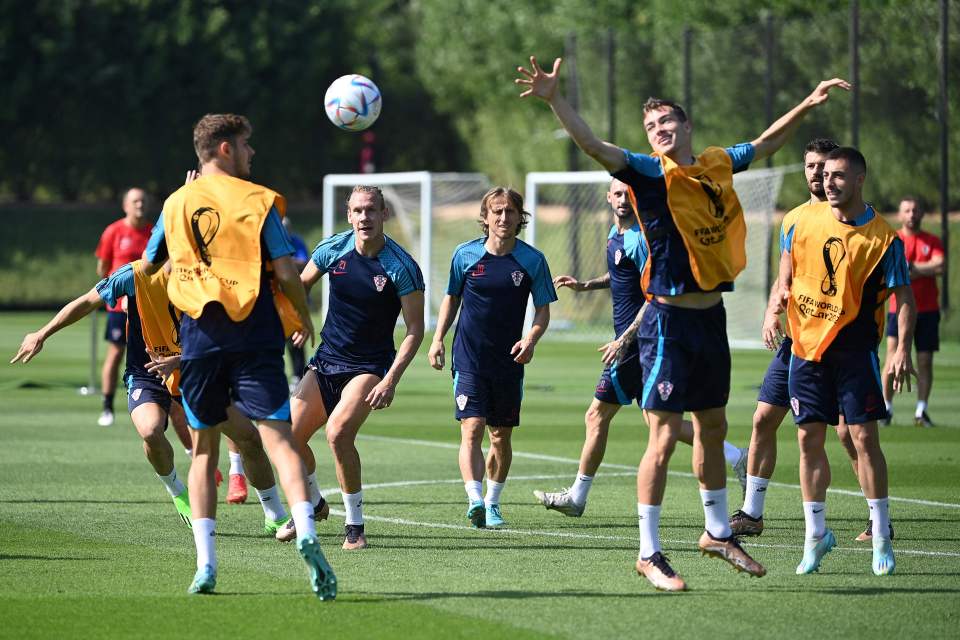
[833,255]
[176,324]
[517,278]
[715,193]
[204,223]
[379,282]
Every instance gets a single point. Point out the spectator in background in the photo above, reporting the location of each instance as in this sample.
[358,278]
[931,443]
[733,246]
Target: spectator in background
[298,360]
[924,253]
[121,242]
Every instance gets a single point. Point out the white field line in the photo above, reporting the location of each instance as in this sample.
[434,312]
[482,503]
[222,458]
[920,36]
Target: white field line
[625,467]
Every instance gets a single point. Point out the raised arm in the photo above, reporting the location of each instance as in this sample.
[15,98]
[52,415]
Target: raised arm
[445,317]
[288,278]
[540,84]
[780,131]
[73,311]
[411,305]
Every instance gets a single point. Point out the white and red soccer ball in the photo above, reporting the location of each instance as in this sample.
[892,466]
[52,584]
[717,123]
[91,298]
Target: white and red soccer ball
[353,102]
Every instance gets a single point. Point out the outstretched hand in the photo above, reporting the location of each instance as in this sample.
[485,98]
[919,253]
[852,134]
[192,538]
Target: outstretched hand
[537,82]
[31,346]
[822,92]
[569,281]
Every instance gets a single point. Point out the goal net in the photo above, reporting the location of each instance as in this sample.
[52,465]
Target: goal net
[430,214]
[571,220]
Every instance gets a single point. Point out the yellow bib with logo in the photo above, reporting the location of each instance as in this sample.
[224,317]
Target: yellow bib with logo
[831,263]
[212,227]
[159,320]
[708,215]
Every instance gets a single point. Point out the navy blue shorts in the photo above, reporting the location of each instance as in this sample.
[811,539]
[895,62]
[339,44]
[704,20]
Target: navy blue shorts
[254,381]
[332,378]
[144,389]
[496,399]
[926,333]
[774,389]
[843,383]
[116,330]
[621,383]
[685,357]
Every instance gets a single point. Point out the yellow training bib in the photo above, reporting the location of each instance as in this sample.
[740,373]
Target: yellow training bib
[831,263]
[159,320]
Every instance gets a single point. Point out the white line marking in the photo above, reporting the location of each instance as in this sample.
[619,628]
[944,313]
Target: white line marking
[608,465]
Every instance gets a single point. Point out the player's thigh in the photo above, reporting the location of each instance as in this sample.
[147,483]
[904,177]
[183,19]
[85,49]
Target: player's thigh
[148,403]
[601,413]
[709,420]
[353,408]
[307,409]
[471,429]
[149,419]
[240,429]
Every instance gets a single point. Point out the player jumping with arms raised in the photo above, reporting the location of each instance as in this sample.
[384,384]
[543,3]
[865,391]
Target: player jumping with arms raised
[694,224]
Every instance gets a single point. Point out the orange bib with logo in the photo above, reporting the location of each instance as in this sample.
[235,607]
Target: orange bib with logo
[159,320]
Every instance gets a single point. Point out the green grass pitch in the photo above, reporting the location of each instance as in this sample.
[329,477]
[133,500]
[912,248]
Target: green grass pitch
[90,545]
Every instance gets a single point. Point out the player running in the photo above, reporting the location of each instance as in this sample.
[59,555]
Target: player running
[221,231]
[845,260]
[356,368]
[621,382]
[694,224]
[492,276]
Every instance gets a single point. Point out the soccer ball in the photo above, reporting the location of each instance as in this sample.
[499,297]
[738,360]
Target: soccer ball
[353,102]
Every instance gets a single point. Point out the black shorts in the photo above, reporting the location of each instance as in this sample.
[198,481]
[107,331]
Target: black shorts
[621,382]
[843,383]
[116,329]
[774,389]
[143,390]
[926,334]
[495,399]
[333,378]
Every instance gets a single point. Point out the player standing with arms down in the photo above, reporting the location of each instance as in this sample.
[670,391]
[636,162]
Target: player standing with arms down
[121,242]
[694,225]
[924,253]
[621,382]
[845,261]
[356,368]
[493,277]
[221,230]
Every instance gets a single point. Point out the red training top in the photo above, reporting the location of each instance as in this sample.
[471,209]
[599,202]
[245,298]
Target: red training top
[120,244]
[919,248]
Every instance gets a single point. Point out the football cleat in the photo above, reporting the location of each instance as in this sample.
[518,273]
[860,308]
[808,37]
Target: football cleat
[354,538]
[560,501]
[741,469]
[273,527]
[106,418]
[661,575]
[237,492]
[204,580]
[288,532]
[813,552]
[494,517]
[182,503]
[923,420]
[729,549]
[883,561]
[743,524]
[322,579]
[477,514]
[867,534]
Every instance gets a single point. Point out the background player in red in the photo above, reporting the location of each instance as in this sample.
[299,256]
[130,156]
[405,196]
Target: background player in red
[121,242]
[924,253]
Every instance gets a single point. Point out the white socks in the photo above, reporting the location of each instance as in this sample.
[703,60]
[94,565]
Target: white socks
[172,483]
[353,503]
[730,453]
[649,519]
[880,517]
[203,538]
[474,489]
[815,516]
[272,506]
[493,492]
[715,512]
[756,494]
[581,487]
[312,487]
[302,513]
[236,464]
[921,407]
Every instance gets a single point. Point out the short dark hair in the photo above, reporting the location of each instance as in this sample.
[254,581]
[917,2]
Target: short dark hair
[214,128]
[655,104]
[918,203]
[376,192]
[819,145]
[513,197]
[853,157]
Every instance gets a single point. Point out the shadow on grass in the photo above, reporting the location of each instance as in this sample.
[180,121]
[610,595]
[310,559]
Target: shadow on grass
[394,596]
[80,501]
[18,556]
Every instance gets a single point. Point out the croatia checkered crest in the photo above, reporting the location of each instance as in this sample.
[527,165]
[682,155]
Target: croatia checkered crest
[353,102]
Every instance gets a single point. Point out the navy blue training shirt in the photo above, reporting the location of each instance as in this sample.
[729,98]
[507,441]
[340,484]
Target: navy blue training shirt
[111,289]
[626,257]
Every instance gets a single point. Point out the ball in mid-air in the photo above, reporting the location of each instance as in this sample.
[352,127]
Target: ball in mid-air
[353,102]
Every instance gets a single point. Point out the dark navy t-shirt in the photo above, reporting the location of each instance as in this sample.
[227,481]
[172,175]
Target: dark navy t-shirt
[626,257]
[494,292]
[364,300]
[111,289]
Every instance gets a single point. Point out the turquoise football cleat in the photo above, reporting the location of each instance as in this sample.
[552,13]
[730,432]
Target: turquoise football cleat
[883,562]
[494,517]
[204,581]
[182,503]
[322,579]
[477,514]
[813,552]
